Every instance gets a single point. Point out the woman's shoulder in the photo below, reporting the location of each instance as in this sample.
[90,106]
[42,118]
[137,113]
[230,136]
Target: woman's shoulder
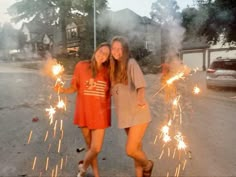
[83,63]
[132,62]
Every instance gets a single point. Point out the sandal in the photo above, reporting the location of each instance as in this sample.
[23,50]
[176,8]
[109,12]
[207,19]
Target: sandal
[81,171]
[148,173]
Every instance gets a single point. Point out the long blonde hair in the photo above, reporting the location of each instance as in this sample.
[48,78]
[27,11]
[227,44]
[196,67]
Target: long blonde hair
[118,69]
[93,65]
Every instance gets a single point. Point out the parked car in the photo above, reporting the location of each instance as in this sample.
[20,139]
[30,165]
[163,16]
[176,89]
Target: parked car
[221,73]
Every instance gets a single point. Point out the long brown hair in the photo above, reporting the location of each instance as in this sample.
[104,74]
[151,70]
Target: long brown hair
[118,69]
[93,66]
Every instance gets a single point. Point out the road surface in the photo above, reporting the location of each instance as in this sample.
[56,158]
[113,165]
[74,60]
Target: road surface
[208,127]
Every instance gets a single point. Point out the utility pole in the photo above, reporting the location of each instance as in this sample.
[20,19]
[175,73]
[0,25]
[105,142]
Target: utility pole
[94,24]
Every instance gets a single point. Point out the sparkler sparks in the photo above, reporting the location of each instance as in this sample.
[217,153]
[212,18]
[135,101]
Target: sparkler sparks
[47,161]
[180,141]
[174,78]
[30,135]
[57,69]
[170,134]
[34,162]
[51,111]
[196,90]
[61,104]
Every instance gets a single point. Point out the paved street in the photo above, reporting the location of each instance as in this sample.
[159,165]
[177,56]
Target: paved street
[208,126]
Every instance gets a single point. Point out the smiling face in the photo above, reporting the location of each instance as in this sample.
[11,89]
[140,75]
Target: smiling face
[117,50]
[102,55]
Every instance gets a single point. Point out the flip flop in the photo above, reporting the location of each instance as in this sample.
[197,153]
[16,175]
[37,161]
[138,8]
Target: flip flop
[148,173]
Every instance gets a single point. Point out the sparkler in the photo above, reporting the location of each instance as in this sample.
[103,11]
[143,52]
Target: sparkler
[196,90]
[170,81]
[57,71]
[180,141]
[174,78]
[169,131]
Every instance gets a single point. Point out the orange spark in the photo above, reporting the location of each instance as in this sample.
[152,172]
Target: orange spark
[46,136]
[196,90]
[61,104]
[29,137]
[35,159]
[47,161]
[176,77]
[57,69]
[61,125]
[61,163]
[180,141]
[59,146]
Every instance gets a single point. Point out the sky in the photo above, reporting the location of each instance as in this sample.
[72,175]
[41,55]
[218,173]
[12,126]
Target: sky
[141,7]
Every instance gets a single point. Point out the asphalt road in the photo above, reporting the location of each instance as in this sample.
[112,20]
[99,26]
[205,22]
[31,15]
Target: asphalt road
[208,127]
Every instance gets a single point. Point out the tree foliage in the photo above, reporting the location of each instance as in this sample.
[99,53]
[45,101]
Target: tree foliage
[212,19]
[58,12]
[10,39]
[167,14]
[165,11]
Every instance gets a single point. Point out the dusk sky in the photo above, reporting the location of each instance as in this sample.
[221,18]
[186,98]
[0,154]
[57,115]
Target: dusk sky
[142,8]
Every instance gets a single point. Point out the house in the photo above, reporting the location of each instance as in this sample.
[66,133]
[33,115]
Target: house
[193,53]
[139,30]
[197,53]
[39,38]
[134,27]
[73,31]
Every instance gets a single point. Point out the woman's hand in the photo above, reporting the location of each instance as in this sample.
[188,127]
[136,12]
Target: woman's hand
[58,88]
[141,103]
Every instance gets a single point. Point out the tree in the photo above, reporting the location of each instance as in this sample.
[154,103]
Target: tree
[219,18]
[51,12]
[60,12]
[87,38]
[166,13]
[10,39]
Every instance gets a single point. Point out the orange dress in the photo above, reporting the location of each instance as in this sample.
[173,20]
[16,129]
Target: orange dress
[93,101]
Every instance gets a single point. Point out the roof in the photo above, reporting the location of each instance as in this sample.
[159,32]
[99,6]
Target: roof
[124,13]
[197,43]
[39,27]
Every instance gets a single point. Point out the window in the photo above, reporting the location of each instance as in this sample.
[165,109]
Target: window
[72,33]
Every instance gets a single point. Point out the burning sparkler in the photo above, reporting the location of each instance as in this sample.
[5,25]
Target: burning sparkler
[196,90]
[57,69]
[180,141]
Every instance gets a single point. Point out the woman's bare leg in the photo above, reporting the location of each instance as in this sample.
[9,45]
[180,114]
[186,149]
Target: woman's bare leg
[137,165]
[134,147]
[96,140]
[87,137]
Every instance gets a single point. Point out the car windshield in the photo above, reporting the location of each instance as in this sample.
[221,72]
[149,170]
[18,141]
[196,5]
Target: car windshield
[226,65]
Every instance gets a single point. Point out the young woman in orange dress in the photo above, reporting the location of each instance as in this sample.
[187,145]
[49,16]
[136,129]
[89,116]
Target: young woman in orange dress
[92,112]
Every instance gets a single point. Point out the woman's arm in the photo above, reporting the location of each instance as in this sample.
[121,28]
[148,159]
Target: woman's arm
[67,90]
